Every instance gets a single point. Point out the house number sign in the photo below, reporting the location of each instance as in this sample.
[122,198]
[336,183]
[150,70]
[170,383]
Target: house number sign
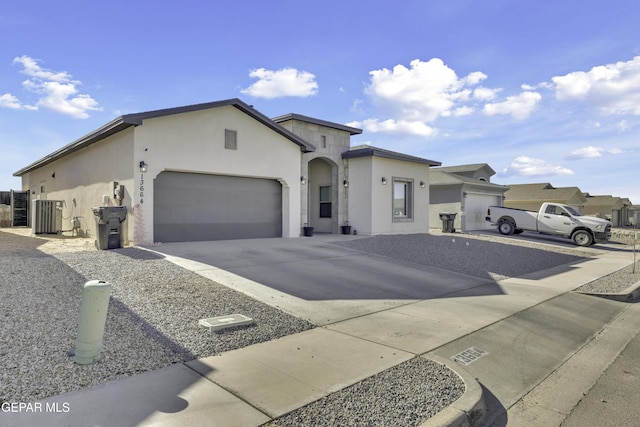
[469,356]
[141,188]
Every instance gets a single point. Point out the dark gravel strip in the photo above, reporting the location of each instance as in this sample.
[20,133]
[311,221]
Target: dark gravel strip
[616,282]
[405,395]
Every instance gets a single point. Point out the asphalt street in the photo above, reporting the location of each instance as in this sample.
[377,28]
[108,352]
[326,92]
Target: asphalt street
[613,400]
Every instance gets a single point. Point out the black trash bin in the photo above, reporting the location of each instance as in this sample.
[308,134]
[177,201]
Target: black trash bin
[448,219]
[109,226]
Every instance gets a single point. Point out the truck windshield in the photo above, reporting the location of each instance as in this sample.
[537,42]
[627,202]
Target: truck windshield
[572,211]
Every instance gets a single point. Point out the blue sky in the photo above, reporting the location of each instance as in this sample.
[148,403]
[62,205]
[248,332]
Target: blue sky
[541,91]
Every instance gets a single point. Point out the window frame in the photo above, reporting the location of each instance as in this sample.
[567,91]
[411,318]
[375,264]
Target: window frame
[408,185]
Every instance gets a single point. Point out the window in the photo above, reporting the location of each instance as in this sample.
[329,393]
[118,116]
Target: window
[402,199]
[554,210]
[559,210]
[325,202]
[323,141]
[230,139]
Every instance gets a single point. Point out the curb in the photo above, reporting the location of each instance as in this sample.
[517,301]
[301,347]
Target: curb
[468,410]
[630,294]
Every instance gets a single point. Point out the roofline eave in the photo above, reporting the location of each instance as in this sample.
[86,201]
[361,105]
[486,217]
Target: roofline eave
[121,123]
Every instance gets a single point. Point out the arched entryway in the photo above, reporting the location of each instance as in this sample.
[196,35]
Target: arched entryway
[322,196]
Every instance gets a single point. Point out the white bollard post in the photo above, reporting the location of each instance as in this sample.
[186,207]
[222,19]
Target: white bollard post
[93,317]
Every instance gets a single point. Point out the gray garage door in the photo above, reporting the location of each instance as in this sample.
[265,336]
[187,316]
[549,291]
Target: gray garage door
[190,207]
[476,210]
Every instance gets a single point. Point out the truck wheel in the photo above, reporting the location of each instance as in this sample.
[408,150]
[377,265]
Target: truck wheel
[506,227]
[582,238]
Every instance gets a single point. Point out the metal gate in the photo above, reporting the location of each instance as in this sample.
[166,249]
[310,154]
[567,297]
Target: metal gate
[18,201]
[20,209]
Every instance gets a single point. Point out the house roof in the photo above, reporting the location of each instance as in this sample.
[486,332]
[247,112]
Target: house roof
[123,122]
[369,151]
[605,200]
[468,168]
[542,192]
[307,119]
[438,176]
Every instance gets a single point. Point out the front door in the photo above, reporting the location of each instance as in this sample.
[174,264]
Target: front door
[322,197]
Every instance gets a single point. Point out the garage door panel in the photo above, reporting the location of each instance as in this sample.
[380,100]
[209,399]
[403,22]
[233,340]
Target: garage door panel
[476,211]
[190,207]
[177,232]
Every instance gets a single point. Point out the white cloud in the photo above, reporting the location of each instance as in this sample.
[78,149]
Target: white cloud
[622,125]
[475,78]
[519,107]
[281,83]
[424,92]
[402,127]
[56,90]
[612,88]
[591,152]
[529,166]
[413,97]
[356,107]
[427,91]
[463,111]
[32,69]
[485,94]
[9,101]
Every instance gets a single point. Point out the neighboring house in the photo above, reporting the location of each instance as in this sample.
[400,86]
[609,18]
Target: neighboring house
[388,191]
[465,190]
[532,196]
[223,170]
[634,215]
[627,213]
[615,209]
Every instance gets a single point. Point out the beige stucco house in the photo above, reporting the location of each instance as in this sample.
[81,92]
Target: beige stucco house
[615,209]
[532,196]
[465,190]
[223,170]
[388,191]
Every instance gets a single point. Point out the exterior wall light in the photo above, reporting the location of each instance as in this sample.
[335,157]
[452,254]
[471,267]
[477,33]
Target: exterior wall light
[422,184]
[384,181]
[143,166]
[303,180]
[345,183]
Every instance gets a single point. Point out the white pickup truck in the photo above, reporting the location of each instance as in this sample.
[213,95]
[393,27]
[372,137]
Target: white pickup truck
[553,218]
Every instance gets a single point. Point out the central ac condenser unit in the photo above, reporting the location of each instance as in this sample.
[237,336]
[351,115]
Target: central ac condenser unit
[47,217]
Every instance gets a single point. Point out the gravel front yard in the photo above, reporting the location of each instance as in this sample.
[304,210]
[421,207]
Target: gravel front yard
[152,320]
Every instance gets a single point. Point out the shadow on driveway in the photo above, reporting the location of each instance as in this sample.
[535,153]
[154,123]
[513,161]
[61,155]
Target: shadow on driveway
[331,267]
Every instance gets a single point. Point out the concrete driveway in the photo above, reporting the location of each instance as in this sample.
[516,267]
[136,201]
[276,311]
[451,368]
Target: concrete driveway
[328,278]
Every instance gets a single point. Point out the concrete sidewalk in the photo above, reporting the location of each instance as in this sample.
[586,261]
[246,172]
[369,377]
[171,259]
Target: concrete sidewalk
[252,385]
